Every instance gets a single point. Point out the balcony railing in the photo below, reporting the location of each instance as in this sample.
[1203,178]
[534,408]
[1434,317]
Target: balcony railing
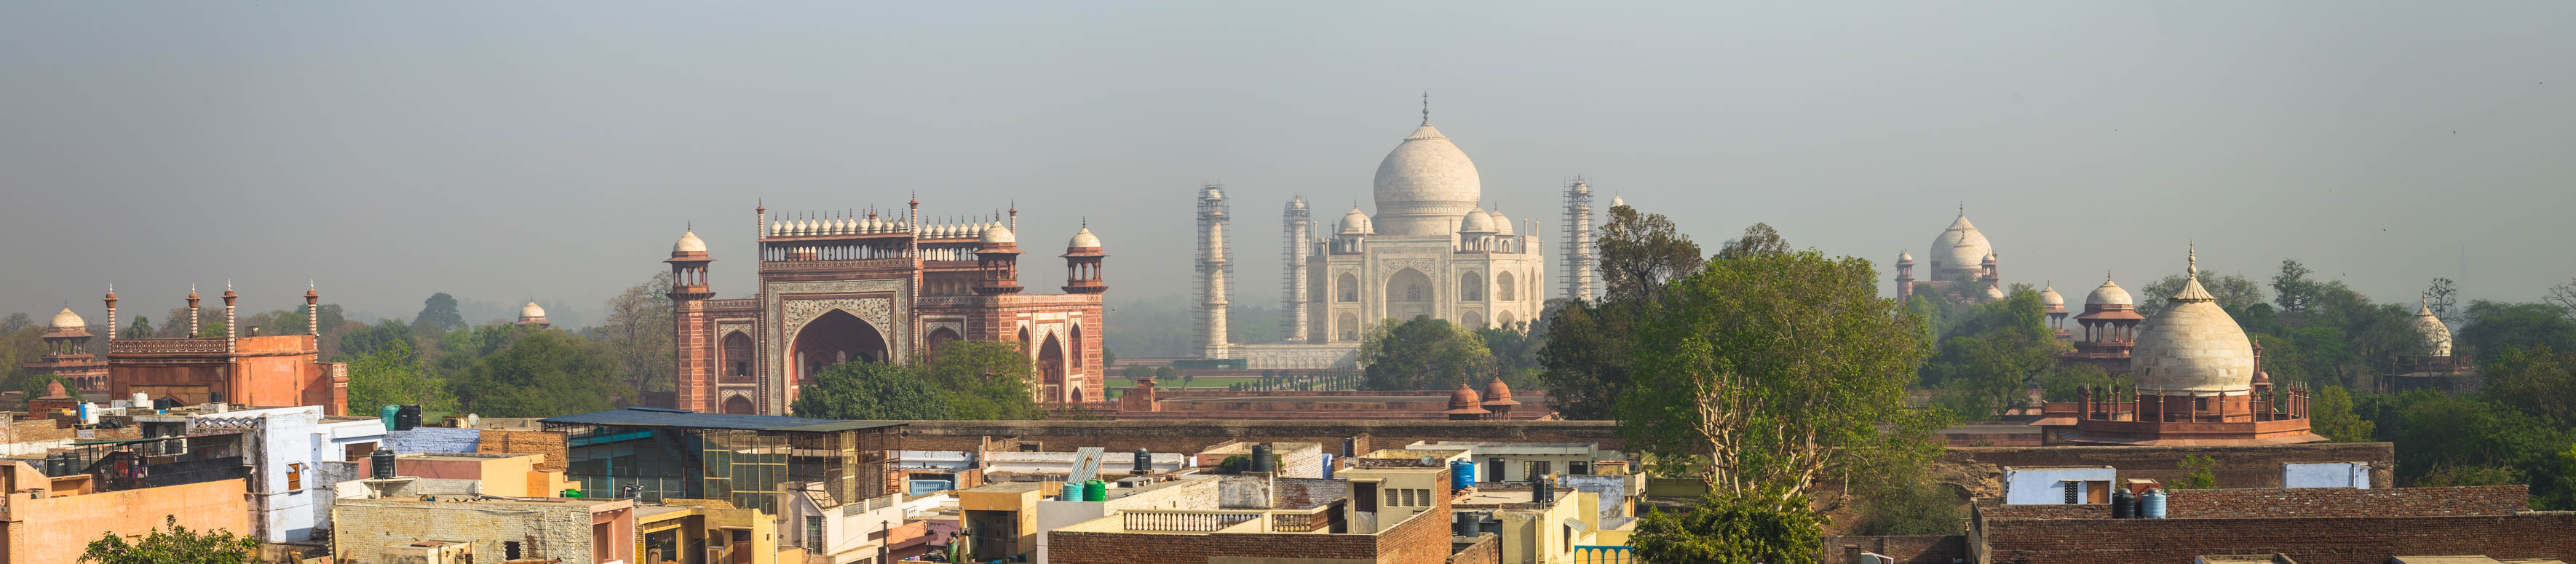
[1604,554]
[1185,521]
[188,345]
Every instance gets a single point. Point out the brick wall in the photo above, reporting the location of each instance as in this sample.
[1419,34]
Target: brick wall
[2345,540]
[527,442]
[2344,502]
[362,527]
[1301,493]
[1198,435]
[1926,549]
[1130,548]
[1980,469]
[1486,548]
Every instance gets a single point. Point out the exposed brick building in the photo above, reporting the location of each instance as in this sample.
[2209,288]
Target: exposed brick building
[2308,525]
[850,287]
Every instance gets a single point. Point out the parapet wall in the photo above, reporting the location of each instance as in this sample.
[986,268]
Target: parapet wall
[1196,435]
[1980,469]
[2308,540]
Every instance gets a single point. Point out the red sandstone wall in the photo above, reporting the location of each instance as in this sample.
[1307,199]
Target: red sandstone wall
[2346,540]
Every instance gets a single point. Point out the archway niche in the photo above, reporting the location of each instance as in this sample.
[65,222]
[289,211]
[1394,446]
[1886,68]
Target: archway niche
[736,360]
[1409,294]
[1051,368]
[738,405]
[835,337]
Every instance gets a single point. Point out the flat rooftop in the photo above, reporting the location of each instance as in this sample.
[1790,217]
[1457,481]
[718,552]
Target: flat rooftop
[684,419]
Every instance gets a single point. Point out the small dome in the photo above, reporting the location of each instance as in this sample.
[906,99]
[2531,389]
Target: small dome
[2109,294]
[1464,401]
[2048,296]
[68,320]
[1993,292]
[1904,257]
[1616,202]
[1498,393]
[2192,346]
[1502,225]
[995,233]
[2437,337]
[1356,223]
[689,243]
[1084,240]
[1476,221]
[531,311]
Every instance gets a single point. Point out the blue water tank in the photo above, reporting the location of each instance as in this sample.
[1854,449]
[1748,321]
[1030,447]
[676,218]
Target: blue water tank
[389,413]
[2152,505]
[1462,474]
[1073,491]
[1328,466]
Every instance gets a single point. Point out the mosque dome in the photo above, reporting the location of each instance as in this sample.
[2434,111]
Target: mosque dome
[689,243]
[2437,337]
[2049,296]
[1356,223]
[531,311]
[2192,346]
[1960,247]
[1083,240]
[1994,292]
[2109,294]
[1902,256]
[1476,221]
[1425,183]
[1464,401]
[996,233]
[1616,202]
[1502,225]
[68,320]
[1498,393]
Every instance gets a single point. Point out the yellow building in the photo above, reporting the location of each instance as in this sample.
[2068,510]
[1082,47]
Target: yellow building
[1002,518]
[1535,530]
[703,531]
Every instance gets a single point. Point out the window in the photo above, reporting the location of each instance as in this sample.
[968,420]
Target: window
[2074,489]
[510,550]
[1538,468]
[1350,288]
[1413,292]
[295,477]
[813,532]
[1578,468]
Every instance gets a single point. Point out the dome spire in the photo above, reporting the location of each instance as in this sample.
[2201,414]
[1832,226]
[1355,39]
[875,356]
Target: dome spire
[1426,107]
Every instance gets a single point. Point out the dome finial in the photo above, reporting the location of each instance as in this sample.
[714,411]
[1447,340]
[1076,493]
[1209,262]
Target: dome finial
[2192,257]
[1426,107]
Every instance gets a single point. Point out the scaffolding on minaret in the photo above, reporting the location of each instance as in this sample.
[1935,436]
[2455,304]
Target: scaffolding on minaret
[1579,260]
[1215,273]
[1296,227]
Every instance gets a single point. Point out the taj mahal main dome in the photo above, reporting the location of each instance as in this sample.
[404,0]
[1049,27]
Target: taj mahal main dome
[1425,185]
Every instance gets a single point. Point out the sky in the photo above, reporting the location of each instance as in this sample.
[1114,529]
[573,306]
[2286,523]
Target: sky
[506,151]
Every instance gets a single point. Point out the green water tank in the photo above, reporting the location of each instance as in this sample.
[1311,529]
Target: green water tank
[1095,490]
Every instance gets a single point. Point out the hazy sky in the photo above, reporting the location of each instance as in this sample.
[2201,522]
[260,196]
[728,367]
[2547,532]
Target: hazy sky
[502,151]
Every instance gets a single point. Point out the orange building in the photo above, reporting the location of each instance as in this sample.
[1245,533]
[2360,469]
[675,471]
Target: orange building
[280,370]
[51,520]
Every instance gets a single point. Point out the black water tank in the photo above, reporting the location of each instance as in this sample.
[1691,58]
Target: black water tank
[1541,491]
[381,464]
[1261,461]
[1144,462]
[2123,505]
[407,418]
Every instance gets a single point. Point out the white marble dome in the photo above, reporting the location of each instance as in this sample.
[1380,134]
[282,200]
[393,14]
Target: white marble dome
[1993,292]
[1502,225]
[1083,240]
[68,320]
[2049,296]
[2109,294]
[2437,337]
[689,243]
[1476,221]
[531,311]
[1960,246]
[996,233]
[1904,256]
[2192,347]
[1425,184]
[1356,223]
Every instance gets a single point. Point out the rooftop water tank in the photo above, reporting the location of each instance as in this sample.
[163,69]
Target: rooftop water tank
[2152,506]
[1462,474]
[1095,490]
[381,464]
[2123,505]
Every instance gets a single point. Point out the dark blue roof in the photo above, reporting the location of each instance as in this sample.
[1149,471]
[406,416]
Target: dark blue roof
[652,417]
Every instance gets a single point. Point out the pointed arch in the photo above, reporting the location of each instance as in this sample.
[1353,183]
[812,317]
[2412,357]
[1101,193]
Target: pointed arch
[734,358]
[833,338]
[1348,325]
[939,339]
[1504,287]
[1471,286]
[1051,368]
[1347,289]
[738,405]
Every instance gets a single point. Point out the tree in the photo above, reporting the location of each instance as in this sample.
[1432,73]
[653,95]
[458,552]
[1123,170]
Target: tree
[1590,344]
[141,329]
[384,335]
[2563,296]
[1515,354]
[2540,382]
[1424,354]
[1995,354]
[536,373]
[2292,289]
[438,313]
[2443,297]
[1640,253]
[1778,367]
[1758,239]
[870,390]
[178,545]
[1731,529]
[2332,417]
[1912,507]
[2200,477]
[2066,382]
[392,376]
[638,333]
[985,380]
[2496,327]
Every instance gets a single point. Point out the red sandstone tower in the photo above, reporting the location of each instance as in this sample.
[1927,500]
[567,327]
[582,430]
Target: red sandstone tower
[695,377]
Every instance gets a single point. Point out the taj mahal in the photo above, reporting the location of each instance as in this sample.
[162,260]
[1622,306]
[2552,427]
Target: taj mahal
[1431,250]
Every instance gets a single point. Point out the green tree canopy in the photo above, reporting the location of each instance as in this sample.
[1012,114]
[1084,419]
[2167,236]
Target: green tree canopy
[141,329]
[1424,354]
[1995,355]
[1780,368]
[2331,416]
[870,390]
[2234,293]
[985,380]
[177,545]
[1590,344]
[2540,382]
[1731,529]
[540,373]
[438,313]
[2496,327]
[392,376]
[384,335]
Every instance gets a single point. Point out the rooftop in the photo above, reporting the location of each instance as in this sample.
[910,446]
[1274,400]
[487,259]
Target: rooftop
[655,417]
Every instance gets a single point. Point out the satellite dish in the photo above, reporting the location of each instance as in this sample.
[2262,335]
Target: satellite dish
[1430,461]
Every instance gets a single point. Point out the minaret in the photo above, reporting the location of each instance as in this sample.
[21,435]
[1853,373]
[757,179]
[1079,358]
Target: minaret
[693,374]
[112,328]
[1213,270]
[193,326]
[1579,260]
[1904,277]
[232,324]
[1297,225]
